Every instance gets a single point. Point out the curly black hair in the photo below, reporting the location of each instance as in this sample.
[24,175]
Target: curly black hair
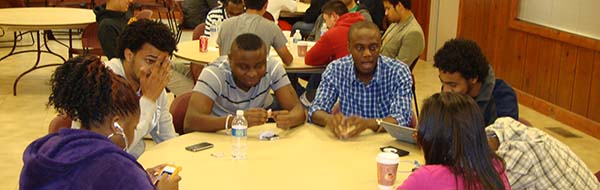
[85,90]
[144,31]
[463,56]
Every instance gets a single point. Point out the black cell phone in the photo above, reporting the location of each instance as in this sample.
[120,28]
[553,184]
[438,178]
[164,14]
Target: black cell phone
[393,149]
[199,147]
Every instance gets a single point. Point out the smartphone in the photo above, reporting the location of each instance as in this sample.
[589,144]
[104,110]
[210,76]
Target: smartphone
[169,170]
[393,149]
[199,146]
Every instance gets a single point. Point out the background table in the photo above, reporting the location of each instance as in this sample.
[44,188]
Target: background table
[190,51]
[301,8]
[37,19]
[307,157]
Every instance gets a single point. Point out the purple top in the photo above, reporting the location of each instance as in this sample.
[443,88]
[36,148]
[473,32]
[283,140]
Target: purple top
[80,159]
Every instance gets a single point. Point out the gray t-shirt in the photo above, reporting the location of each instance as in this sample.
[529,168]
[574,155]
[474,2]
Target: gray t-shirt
[217,83]
[267,30]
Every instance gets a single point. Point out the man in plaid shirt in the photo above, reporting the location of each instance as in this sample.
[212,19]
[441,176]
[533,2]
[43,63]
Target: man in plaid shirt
[370,88]
[536,160]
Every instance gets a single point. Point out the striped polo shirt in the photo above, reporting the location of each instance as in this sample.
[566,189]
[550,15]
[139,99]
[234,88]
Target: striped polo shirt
[217,14]
[216,82]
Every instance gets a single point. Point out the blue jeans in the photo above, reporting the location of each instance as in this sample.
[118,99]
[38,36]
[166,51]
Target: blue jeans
[313,82]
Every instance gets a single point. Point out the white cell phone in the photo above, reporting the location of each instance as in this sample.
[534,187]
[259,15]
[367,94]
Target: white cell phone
[169,170]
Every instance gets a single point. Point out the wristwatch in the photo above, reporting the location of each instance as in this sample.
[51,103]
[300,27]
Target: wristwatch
[378,125]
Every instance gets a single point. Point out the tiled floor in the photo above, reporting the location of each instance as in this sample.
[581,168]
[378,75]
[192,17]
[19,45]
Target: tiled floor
[24,118]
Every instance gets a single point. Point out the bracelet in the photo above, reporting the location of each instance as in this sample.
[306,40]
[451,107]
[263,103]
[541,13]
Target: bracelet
[227,123]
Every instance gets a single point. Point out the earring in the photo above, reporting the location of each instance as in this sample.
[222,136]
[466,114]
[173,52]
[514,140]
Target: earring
[121,133]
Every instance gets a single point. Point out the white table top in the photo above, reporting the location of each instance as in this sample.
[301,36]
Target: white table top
[301,8]
[190,51]
[307,157]
[43,18]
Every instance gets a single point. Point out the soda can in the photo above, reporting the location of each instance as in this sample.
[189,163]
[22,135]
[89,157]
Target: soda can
[203,44]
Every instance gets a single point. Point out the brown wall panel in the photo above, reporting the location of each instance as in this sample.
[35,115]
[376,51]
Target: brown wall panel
[594,105]
[583,80]
[532,60]
[555,67]
[546,69]
[566,78]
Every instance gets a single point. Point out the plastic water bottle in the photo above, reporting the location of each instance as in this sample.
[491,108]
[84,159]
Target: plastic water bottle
[239,128]
[297,37]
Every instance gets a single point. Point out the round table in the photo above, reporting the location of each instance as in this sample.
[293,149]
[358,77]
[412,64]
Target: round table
[190,51]
[36,19]
[301,8]
[306,157]
[45,18]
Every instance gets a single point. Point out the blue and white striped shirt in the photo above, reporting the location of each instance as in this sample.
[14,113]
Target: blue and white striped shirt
[387,94]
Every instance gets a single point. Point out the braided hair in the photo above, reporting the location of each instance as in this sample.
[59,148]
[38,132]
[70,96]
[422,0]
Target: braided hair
[87,91]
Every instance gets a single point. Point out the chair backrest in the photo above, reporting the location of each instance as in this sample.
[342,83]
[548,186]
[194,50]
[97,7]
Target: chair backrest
[178,110]
[59,122]
[198,31]
[269,16]
[17,3]
[414,63]
[90,41]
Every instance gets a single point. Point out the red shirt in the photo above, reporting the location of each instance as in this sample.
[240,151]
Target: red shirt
[334,43]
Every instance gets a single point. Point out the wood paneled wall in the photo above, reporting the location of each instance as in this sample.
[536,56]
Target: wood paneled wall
[551,68]
[422,10]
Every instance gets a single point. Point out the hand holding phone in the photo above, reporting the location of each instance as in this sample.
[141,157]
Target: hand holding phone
[168,171]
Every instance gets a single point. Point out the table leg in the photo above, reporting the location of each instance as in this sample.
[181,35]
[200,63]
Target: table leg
[37,62]
[70,43]
[13,48]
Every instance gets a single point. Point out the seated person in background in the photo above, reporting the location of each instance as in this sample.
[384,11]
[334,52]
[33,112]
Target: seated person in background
[253,22]
[230,8]
[377,11]
[370,88]
[463,68]
[352,7]
[310,16]
[403,39]
[242,81]
[194,11]
[536,160]
[184,75]
[276,6]
[453,141]
[144,50]
[112,19]
[91,158]
[333,45]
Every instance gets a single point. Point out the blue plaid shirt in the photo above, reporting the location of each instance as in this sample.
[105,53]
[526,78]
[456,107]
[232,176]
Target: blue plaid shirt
[387,94]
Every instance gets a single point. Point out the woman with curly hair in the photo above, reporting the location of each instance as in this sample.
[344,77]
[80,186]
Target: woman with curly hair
[92,157]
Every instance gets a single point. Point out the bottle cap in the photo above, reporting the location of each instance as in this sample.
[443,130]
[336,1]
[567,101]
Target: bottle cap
[239,112]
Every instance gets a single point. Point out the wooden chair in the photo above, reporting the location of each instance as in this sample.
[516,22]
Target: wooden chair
[414,87]
[59,122]
[178,110]
[269,16]
[90,44]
